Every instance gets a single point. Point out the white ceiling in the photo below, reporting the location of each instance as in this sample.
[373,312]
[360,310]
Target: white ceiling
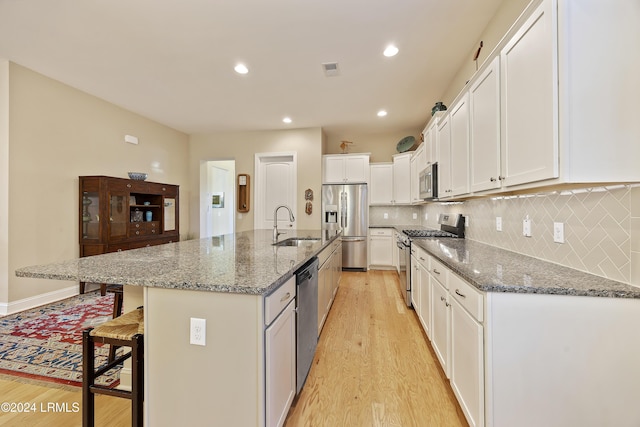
[172,60]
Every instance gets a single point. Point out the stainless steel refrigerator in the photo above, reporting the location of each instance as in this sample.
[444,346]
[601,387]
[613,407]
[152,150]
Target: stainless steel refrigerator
[346,207]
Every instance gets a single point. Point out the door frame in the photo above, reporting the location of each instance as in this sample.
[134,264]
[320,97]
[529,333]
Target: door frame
[260,158]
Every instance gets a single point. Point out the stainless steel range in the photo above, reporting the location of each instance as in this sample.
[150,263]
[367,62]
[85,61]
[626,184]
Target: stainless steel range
[451,226]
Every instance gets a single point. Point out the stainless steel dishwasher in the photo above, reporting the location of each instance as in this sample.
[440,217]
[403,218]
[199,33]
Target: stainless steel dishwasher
[306,320]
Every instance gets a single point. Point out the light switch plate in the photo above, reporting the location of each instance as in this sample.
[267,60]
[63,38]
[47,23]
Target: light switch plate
[385,215]
[415,215]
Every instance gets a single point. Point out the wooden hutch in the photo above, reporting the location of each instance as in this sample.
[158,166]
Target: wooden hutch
[139,214]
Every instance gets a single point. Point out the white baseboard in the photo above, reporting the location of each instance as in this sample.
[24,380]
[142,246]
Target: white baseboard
[38,300]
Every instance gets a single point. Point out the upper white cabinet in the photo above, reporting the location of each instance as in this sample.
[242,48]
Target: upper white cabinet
[418,163]
[529,100]
[444,157]
[381,184]
[345,168]
[402,178]
[484,119]
[543,111]
[460,146]
[391,182]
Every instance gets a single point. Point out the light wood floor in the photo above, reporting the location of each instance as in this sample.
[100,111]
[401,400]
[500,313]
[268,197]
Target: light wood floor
[374,365]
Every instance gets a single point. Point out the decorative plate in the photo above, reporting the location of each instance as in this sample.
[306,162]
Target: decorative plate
[405,144]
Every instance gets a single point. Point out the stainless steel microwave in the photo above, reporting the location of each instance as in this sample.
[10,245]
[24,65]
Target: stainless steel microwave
[428,182]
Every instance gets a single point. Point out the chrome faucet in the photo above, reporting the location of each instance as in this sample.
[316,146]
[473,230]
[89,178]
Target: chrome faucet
[275,221]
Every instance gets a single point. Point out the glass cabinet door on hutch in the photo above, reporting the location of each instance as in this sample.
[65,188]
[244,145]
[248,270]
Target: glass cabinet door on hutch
[118,215]
[90,215]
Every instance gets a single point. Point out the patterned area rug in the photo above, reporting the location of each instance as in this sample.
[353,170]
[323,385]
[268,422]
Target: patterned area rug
[45,343]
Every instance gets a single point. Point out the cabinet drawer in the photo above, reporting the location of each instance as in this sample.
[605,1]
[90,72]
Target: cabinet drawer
[422,258]
[324,255]
[381,232]
[440,272]
[151,228]
[336,244]
[469,297]
[275,302]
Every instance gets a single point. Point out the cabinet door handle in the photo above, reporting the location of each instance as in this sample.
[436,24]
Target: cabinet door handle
[447,304]
[285,297]
[492,179]
[128,185]
[501,178]
[137,231]
[436,271]
[459,294]
[441,298]
[119,250]
[421,259]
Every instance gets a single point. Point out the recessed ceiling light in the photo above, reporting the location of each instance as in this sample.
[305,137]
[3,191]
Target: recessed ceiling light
[391,50]
[287,120]
[382,113]
[241,69]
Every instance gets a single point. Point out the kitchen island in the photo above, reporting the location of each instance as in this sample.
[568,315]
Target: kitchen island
[224,280]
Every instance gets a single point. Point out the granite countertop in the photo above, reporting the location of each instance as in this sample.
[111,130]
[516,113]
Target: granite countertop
[492,269]
[244,262]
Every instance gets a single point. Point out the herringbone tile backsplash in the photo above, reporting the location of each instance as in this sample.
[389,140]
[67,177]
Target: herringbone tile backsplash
[601,227]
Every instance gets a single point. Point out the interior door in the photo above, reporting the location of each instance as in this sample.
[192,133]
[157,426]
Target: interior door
[275,186]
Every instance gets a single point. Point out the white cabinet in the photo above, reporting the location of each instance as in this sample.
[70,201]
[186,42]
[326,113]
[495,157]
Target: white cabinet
[420,287]
[484,120]
[391,182]
[425,298]
[280,352]
[529,101]
[415,282]
[444,157]
[395,252]
[345,168]
[381,186]
[440,324]
[418,164]
[381,247]
[402,179]
[459,117]
[329,274]
[467,349]
[280,366]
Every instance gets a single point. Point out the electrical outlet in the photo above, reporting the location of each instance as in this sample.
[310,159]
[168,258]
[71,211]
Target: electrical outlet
[415,216]
[426,216]
[498,223]
[526,227]
[467,221]
[558,232]
[198,335]
[385,215]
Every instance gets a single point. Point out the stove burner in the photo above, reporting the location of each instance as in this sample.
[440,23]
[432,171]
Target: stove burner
[428,233]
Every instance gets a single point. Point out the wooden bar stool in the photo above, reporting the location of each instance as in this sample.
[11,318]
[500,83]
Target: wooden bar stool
[124,331]
[117,291]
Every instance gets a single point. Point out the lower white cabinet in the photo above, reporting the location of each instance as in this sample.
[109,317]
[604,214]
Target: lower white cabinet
[467,363]
[280,365]
[425,299]
[415,283]
[441,324]
[381,247]
[329,274]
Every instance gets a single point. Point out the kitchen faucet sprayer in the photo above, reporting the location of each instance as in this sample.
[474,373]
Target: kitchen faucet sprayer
[275,221]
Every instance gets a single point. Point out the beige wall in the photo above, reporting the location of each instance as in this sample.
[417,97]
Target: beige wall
[4,180]
[57,133]
[491,36]
[241,147]
[381,145]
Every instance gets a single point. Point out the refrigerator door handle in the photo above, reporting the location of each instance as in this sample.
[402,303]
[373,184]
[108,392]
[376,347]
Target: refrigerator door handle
[354,239]
[343,209]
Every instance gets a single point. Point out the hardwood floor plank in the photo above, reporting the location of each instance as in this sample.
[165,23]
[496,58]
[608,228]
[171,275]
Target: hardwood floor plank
[374,365]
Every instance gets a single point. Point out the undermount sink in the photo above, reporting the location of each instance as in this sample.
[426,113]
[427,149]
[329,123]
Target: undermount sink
[296,241]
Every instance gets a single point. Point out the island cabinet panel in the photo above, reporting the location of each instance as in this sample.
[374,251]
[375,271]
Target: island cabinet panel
[221,383]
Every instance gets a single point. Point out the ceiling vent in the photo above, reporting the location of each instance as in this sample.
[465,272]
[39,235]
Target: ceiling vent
[331,69]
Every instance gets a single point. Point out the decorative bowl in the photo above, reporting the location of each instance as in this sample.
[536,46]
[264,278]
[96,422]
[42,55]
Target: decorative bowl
[137,176]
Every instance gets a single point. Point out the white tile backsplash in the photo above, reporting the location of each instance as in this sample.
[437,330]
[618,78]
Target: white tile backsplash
[396,215]
[601,226]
